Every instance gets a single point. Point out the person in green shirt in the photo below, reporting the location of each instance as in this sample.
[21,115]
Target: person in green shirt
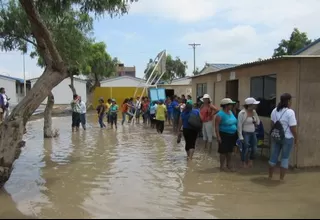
[113,113]
[189,100]
[76,110]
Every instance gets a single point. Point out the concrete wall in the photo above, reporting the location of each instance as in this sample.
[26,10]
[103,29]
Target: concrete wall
[179,89]
[308,150]
[62,92]
[286,71]
[10,87]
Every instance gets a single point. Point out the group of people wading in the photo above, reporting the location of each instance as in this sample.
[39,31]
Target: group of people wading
[241,128]
[234,128]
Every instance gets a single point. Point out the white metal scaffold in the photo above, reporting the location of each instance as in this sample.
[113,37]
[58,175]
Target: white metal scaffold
[159,63]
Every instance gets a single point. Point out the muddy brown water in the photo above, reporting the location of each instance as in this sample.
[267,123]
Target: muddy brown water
[135,173]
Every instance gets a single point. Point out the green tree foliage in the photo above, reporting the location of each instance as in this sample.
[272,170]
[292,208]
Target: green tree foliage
[39,34]
[197,72]
[99,64]
[175,68]
[97,7]
[297,41]
[70,32]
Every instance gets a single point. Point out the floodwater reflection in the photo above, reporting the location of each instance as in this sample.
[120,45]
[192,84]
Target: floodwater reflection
[135,173]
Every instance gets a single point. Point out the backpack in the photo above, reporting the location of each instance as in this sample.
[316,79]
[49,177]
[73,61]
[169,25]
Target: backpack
[195,122]
[277,132]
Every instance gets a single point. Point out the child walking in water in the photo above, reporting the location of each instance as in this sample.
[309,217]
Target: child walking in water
[101,111]
[114,113]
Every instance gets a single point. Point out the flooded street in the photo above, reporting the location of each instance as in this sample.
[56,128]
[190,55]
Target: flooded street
[135,173]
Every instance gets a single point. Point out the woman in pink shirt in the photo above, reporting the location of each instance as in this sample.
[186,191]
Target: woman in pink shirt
[207,112]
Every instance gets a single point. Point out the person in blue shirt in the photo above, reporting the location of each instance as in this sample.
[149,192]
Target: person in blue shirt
[226,131]
[175,113]
[170,112]
[190,135]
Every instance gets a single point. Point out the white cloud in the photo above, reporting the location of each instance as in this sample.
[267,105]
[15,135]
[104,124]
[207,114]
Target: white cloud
[271,12]
[238,30]
[226,46]
[255,26]
[179,10]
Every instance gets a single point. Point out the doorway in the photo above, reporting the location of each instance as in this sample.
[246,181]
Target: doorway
[232,89]
[169,92]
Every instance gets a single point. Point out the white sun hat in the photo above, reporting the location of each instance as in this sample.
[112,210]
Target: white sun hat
[226,101]
[206,96]
[251,101]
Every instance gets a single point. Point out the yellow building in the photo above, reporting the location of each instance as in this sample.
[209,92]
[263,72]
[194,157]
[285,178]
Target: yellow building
[119,88]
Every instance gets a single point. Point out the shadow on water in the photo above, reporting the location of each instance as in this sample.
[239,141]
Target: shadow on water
[135,172]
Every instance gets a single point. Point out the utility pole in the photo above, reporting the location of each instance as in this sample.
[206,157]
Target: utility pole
[194,45]
[24,75]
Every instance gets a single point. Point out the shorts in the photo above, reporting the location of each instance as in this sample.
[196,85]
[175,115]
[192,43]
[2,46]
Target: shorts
[228,142]
[284,149]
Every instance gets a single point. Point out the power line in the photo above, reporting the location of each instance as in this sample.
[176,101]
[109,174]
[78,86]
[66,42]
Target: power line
[194,45]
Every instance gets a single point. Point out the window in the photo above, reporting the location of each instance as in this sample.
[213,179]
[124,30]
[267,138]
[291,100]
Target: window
[263,88]
[201,89]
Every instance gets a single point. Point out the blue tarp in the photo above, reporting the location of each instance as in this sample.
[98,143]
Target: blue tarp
[156,94]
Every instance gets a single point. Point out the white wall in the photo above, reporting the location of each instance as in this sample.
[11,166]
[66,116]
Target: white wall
[122,81]
[10,87]
[63,94]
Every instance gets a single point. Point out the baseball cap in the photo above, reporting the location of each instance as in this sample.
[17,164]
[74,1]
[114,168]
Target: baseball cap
[227,101]
[251,101]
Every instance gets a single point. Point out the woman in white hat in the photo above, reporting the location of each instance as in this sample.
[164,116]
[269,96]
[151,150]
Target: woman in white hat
[226,131]
[207,112]
[248,119]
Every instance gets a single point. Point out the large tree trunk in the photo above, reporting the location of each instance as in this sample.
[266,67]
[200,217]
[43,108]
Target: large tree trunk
[72,85]
[47,124]
[12,128]
[91,90]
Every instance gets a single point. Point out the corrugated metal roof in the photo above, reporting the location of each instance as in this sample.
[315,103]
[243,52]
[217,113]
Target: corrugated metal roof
[261,62]
[222,65]
[307,47]
[215,66]
[12,78]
